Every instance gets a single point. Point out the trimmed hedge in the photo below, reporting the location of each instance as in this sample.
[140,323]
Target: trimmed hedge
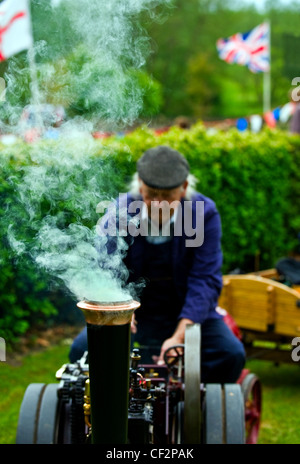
[253,178]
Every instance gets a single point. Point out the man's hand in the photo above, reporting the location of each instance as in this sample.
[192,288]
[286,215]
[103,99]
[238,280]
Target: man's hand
[172,341]
[176,339]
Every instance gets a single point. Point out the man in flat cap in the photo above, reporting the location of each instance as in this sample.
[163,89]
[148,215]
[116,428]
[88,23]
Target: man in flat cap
[175,249]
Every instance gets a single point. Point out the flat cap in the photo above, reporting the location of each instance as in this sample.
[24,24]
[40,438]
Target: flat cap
[162,167]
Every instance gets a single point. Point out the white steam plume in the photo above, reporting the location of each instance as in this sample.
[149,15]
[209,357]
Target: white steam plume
[66,171]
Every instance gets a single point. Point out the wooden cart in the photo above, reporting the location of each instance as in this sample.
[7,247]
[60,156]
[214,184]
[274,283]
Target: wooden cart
[266,311]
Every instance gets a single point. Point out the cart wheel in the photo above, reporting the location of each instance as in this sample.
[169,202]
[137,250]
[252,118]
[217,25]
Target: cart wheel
[47,421]
[224,418]
[213,415]
[234,414]
[251,388]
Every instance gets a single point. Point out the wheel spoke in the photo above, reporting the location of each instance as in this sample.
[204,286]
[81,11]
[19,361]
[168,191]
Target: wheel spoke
[252,396]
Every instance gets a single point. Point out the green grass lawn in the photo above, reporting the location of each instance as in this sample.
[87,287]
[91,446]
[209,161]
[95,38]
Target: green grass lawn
[281,401]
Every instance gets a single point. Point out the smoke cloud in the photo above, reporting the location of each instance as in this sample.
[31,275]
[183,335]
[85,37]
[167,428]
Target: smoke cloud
[53,219]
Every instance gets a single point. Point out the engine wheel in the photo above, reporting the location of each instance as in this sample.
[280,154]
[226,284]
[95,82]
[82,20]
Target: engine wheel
[213,415]
[224,417]
[29,413]
[192,383]
[47,421]
[38,418]
[234,414]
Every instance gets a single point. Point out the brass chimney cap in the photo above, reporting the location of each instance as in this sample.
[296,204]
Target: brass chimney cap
[108,313]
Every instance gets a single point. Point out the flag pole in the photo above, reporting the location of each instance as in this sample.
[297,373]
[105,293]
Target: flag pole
[267,77]
[267,91]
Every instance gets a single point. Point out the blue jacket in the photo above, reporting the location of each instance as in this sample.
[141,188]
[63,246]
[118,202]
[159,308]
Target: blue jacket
[196,270]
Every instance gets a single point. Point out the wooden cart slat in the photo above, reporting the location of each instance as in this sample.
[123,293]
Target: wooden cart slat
[262,304]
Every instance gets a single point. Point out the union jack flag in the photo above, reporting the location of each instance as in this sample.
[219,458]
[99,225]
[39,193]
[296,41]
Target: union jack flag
[251,49]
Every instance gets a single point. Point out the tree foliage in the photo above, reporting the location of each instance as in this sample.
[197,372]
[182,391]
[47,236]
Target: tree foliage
[92,75]
[182,74]
[188,32]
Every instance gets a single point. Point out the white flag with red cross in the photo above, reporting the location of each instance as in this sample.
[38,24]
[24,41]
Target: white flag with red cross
[15,27]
